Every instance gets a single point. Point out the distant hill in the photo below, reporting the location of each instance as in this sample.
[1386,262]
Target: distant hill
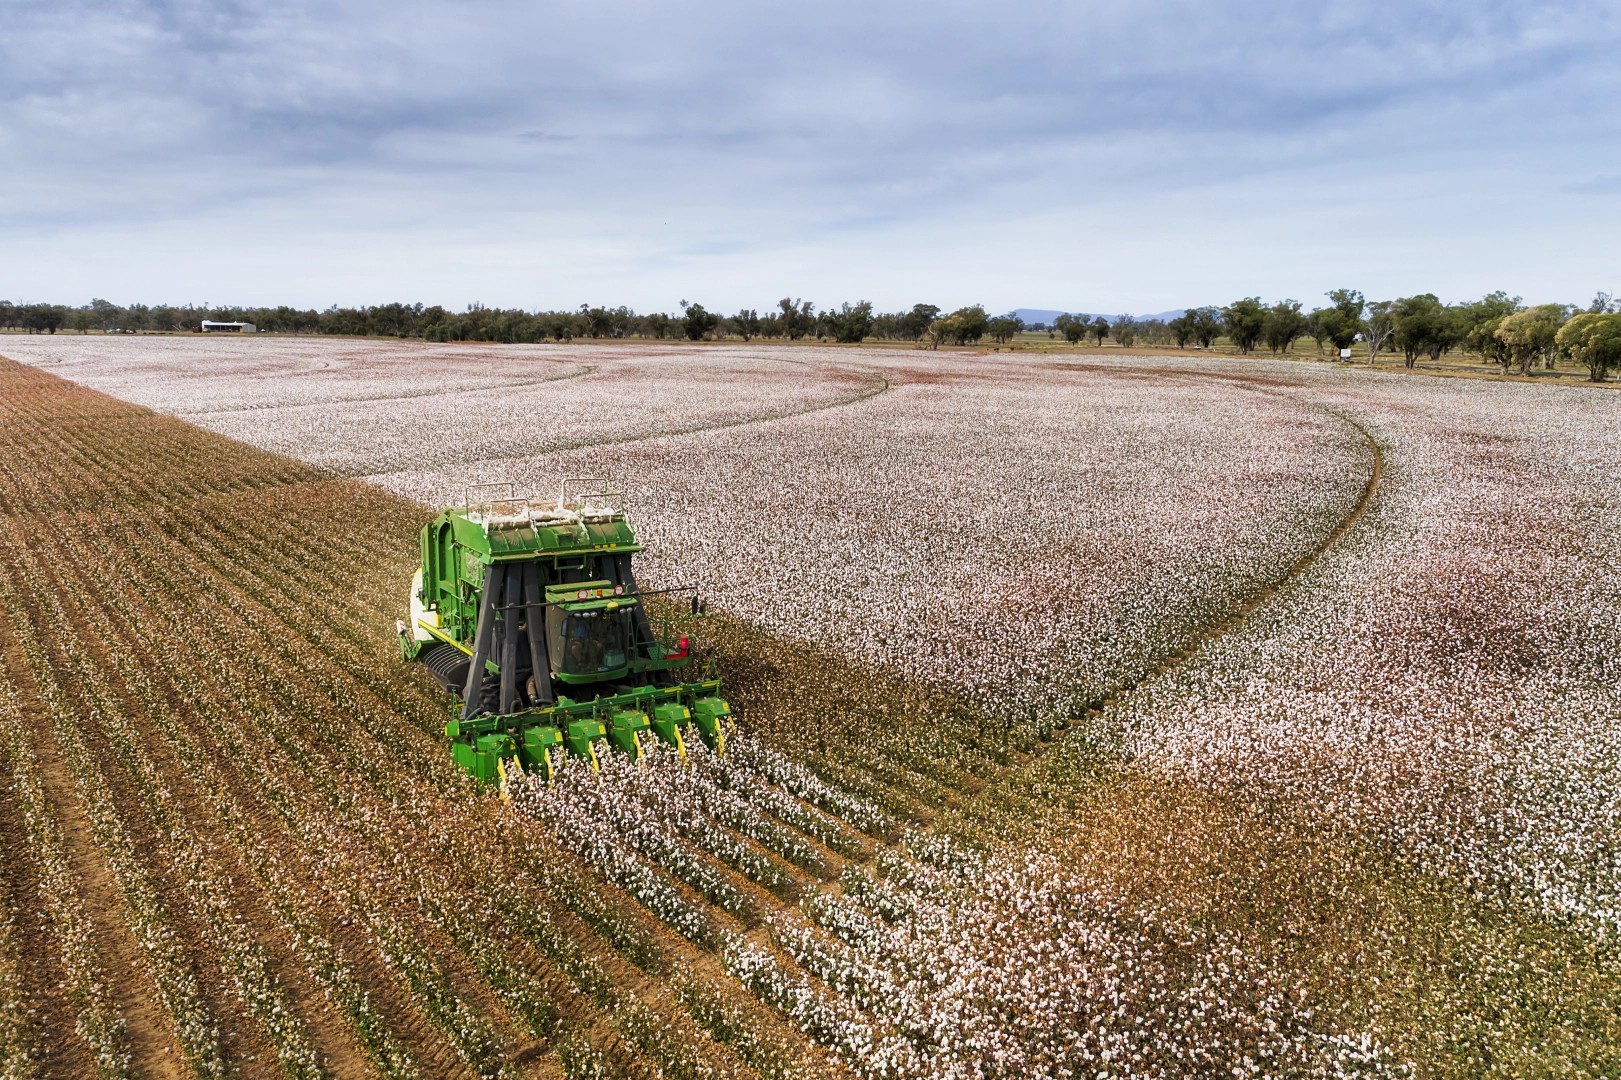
[1047,315]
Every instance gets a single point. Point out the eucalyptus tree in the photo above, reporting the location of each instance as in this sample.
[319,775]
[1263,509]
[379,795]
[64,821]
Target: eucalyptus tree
[746,323]
[1378,324]
[1284,323]
[1244,321]
[1593,339]
[1531,335]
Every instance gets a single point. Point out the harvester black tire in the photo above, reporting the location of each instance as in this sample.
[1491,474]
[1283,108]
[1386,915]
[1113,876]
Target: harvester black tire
[448,664]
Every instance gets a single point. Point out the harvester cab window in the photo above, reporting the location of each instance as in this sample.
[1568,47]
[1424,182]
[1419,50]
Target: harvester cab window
[588,642]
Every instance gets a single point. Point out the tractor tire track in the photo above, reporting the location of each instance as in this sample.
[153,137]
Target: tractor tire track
[942,821]
[282,406]
[878,384]
[1240,614]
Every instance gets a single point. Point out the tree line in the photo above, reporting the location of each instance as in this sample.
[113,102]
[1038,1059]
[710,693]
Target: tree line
[1498,328]
[792,319]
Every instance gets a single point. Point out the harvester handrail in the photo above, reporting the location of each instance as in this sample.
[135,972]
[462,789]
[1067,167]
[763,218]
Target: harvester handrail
[607,492]
[691,590]
[470,490]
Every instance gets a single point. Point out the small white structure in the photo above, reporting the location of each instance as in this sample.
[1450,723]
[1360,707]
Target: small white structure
[210,327]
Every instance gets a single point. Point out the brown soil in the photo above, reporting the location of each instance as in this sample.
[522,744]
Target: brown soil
[147,1027]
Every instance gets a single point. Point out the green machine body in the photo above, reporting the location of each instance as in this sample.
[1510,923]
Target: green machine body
[528,613]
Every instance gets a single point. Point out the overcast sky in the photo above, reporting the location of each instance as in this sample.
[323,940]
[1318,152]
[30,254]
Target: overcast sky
[1107,157]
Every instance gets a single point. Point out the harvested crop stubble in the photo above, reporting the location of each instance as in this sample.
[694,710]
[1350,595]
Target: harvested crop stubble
[311,888]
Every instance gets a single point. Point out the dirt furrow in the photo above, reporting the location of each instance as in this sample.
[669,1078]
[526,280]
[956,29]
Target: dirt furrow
[148,1028]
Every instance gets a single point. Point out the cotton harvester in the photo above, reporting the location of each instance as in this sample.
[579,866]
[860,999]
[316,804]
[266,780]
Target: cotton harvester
[528,612]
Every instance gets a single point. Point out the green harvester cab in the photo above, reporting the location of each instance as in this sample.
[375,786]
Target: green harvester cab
[527,612]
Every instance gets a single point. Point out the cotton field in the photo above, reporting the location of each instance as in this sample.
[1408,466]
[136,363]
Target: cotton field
[1147,716]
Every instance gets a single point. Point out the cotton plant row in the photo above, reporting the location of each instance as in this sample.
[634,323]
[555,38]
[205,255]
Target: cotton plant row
[820,1013]
[1025,969]
[82,971]
[804,784]
[224,932]
[732,1023]
[400,947]
[680,799]
[805,788]
[15,1056]
[250,976]
[654,1033]
[150,918]
[868,980]
[635,822]
[417,968]
[208,894]
[1448,677]
[397,943]
[331,972]
[327,961]
[1444,678]
[318,760]
[511,986]
[717,794]
[811,821]
[671,1046]
[665,819]
[609,817]
[886,777]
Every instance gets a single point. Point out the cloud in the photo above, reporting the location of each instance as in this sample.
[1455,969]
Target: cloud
[660,150]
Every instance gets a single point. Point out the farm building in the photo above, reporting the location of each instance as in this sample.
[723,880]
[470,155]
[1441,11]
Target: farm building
[210,327]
